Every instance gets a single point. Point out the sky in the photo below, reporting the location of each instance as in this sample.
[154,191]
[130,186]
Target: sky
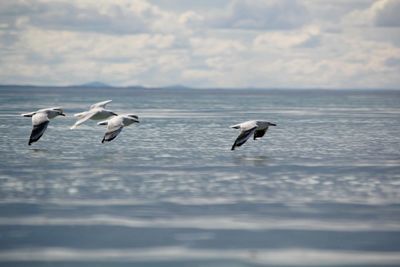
[204,43]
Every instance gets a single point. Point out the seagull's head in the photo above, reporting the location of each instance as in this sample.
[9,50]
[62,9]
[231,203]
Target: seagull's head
[133,117]
[60,111]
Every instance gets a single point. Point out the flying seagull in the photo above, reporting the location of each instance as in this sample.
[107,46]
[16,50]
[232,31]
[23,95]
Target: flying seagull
[115,125]
[248,128]
[96,112]
[40,120]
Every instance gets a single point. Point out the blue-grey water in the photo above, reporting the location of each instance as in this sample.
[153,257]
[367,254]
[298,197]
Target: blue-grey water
[320,189]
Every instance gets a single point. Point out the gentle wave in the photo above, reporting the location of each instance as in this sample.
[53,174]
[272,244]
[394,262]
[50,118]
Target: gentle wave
[210,223]
[297,257]
[299,111]
[119,202]
[193,201]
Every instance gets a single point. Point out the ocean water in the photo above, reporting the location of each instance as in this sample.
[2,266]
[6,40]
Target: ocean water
[320,189]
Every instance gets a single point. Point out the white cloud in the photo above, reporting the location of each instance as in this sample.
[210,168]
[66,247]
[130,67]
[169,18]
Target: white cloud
[287,39]
[263,15]
[191,19]
[387,14]
[382,13]
[214,46]
[228,43]
[107,17]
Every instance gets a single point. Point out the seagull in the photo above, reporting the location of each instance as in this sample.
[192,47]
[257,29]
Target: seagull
[96,112]
[115,125]
[40,120]
[258,128]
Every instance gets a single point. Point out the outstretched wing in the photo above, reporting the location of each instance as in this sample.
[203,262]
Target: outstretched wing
[260,133]
[39,122]
[243,137]
[83,117]
[28,114]
[114,127]
[100,104]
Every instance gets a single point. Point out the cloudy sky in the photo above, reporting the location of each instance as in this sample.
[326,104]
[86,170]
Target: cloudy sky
[204,43]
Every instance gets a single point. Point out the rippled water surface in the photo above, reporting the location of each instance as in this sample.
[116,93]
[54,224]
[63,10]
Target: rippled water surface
[320,189]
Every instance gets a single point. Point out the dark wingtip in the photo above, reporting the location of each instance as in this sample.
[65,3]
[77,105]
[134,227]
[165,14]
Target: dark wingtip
[233,147]
[102,141]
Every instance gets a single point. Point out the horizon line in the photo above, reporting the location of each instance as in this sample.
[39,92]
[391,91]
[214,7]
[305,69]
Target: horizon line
[105,86]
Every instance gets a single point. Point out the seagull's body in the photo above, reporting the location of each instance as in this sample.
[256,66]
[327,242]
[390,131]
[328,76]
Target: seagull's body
[96,112]
[248,128]
[40,120]
[115,125]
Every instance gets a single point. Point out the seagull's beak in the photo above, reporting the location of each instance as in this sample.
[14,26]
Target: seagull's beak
[272,124]
[62,114]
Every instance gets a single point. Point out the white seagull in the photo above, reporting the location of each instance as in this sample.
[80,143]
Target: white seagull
[40,120]
[96,112]
[248,128]
[115,125]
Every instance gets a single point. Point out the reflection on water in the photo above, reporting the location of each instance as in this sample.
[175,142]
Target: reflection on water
[251,160]
[321,188]
[39,150]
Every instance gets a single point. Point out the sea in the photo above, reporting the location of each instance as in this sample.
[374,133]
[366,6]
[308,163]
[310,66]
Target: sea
[322,188]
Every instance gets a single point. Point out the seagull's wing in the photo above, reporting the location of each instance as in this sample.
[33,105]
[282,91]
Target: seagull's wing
[39,122]
[114,127]
[260,133]
[100,104]
[80,115]
[236,126]
[28,114]
[54,108]
[243,136]
[245,125]
[84,117]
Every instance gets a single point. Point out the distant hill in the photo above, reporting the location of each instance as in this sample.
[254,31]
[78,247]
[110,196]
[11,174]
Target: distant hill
[95,85]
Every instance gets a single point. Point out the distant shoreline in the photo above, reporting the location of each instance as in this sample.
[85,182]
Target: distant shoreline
[140,87]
